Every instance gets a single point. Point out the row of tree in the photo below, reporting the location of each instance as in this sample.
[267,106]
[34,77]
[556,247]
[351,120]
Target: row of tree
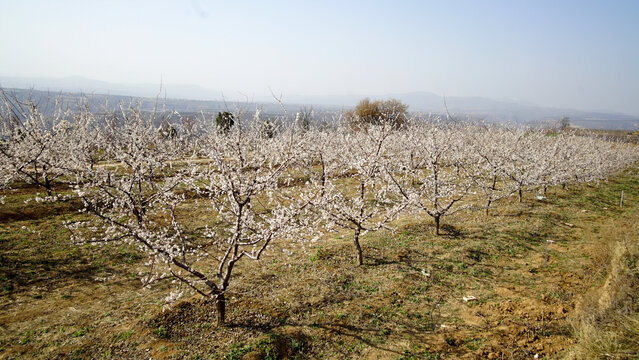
[137,183]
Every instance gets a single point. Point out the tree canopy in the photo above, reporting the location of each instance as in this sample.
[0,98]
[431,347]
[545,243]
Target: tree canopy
[377,112]
[225,121]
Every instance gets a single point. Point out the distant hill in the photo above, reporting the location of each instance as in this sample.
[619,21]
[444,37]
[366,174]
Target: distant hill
[500,111]
[187,107]
[192,98]
[77,84]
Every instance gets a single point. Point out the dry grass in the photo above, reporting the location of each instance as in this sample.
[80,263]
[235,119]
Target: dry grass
[607,323]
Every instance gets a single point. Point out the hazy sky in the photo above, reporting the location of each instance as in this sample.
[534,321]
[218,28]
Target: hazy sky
[575,54]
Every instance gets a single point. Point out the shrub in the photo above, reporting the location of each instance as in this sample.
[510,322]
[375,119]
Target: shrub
[378,112]
[225,121]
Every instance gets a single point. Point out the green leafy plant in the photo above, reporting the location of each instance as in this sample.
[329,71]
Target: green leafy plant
[225,121]
[161,332]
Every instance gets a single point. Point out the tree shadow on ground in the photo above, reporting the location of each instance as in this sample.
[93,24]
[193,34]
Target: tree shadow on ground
[452,232]
[361,334]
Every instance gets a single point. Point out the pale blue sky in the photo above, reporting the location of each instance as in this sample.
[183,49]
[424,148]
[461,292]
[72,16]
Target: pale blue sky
[575,54]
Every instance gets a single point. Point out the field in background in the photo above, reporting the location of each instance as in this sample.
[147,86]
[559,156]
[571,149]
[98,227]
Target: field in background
[615,135]
[60,300]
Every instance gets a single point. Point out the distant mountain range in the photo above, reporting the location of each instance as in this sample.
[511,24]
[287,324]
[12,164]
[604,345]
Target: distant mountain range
[490,110]
[193,98]
[77,84]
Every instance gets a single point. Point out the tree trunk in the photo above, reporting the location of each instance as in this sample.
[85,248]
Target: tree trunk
[220,307]
[437,225]
[47,185]
[521,195]
[360,256]
[493,187]
[47,181]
